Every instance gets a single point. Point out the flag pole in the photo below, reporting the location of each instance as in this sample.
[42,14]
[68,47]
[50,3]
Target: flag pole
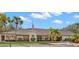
[34,34]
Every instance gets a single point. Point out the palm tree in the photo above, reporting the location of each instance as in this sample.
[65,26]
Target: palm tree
[3,20]
[76,38]
[18,22]
[53,34]
[10,24]
[1,27]
[21,22]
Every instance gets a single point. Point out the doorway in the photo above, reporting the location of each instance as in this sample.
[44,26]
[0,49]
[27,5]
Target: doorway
[3,37]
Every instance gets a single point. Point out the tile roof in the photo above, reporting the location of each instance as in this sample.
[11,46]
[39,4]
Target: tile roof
[37,31]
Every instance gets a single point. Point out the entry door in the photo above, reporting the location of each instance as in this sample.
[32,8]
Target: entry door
[3,38]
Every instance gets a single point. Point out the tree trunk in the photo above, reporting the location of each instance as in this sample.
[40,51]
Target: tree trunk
[16,26]
[55,38]
[15,33]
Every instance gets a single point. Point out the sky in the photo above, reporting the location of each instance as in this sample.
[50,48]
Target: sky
[46,20]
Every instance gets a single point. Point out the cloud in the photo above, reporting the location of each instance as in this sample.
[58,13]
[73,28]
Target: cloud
[46,14]
[57,21]
[76,16]
[42,15]
[34,15]
[25,19]
[56,13]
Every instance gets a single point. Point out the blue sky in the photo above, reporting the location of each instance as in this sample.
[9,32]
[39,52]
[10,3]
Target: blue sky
[45,20]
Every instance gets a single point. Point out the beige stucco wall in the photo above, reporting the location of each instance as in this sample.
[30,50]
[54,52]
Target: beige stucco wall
[19,37]
[64,37]
[0,38]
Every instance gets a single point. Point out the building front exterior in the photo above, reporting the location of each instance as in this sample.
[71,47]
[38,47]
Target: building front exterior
[66,35]
[31,35]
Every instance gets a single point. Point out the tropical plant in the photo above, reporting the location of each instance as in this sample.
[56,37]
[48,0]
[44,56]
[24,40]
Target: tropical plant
[3,21]
[1,27]
[18,22]
[76,38]
[10,24]
[53,34]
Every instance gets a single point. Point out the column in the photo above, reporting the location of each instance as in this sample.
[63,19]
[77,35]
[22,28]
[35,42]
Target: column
[35,38]
[63,38]
[0,38]
[30,37]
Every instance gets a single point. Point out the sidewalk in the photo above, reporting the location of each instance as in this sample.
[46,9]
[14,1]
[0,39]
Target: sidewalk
[65,44]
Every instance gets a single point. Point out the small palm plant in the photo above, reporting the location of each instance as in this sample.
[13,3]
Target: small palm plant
[53,34]
[76,38]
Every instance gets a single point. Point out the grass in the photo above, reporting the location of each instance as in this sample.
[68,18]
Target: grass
[21,43]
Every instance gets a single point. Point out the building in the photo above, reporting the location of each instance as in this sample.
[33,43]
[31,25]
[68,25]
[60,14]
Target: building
[66,35]
[31,35]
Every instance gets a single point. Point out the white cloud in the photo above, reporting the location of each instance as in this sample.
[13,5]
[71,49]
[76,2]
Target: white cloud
[42,15]
[46,14]
[76,16]
[34,15]
[25,19]
[57,21]
[56,13]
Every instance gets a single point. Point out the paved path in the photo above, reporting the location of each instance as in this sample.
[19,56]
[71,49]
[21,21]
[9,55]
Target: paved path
[65,44]
[59,44]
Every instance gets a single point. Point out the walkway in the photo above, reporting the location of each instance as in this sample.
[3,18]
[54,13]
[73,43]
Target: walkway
[64,44]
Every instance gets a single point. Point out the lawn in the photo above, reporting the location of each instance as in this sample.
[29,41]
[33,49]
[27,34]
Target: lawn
[22,43]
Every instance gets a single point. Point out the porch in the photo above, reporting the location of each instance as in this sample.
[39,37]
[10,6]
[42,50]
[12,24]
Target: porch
[23,38]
